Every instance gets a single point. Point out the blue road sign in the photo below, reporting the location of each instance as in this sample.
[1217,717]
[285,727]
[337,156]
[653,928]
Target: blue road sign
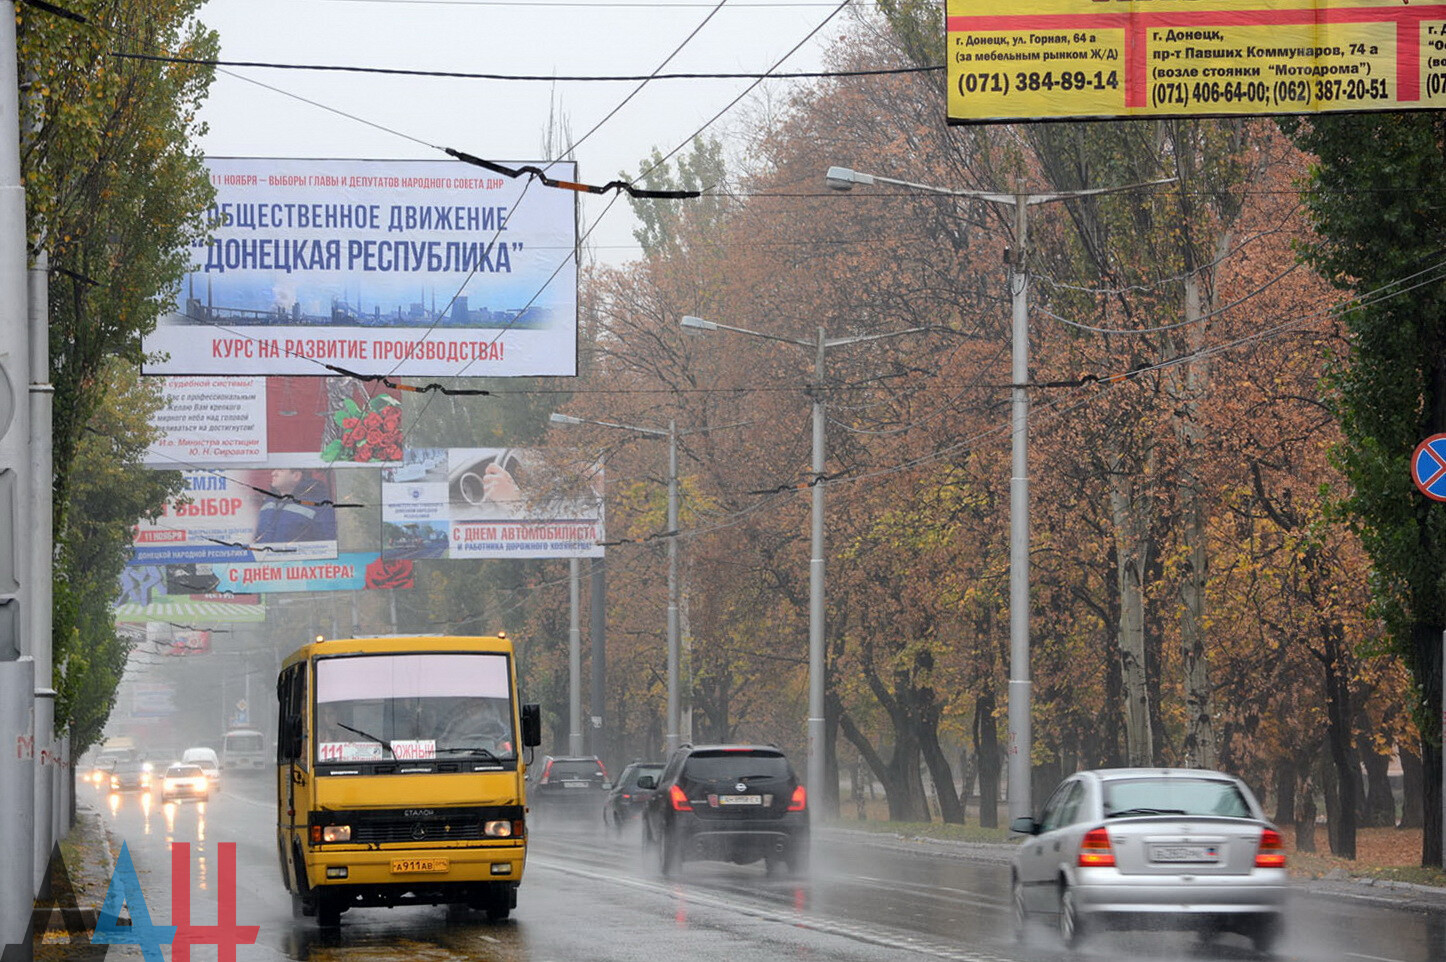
[1428,467]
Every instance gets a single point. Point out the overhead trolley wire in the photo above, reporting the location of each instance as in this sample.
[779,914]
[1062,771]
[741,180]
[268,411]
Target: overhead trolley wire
[531,78]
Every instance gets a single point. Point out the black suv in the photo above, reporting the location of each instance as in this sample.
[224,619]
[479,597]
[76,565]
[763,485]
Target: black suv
[727,803]
[626,799]
[571,786]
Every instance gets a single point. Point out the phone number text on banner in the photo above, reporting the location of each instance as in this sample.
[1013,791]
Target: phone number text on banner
[1100,59]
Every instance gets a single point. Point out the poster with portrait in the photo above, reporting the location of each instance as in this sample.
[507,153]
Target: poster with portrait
[282,514]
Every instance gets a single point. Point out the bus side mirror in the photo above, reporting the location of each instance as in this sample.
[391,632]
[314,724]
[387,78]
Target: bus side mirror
[531,725]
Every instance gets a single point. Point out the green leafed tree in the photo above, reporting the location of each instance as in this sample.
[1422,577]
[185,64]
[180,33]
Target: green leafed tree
[1375,203]
[109,491]
[701,168]
[115,193]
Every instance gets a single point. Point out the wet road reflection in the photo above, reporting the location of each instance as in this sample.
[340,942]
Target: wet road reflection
[595,897]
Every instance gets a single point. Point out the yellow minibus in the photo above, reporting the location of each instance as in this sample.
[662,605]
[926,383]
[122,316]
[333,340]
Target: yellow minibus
[400,774]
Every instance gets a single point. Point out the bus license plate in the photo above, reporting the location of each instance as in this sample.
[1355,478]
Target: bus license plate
[414,866]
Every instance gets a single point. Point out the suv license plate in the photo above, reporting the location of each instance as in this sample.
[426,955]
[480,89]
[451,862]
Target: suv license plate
[740,800]
[1185,853]
[412,866]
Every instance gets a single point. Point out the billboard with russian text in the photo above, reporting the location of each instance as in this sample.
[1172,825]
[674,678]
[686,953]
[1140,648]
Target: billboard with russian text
[278,422]
[278,515]
[1011,60]
[402,268]
[348,571]
[492,503]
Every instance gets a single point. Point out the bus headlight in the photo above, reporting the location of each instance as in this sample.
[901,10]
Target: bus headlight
[501,828]
[336,833]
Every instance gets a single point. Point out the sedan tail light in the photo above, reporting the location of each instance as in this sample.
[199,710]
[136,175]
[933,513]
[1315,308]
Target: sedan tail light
[1271,853]
[679,800]
[1095,850]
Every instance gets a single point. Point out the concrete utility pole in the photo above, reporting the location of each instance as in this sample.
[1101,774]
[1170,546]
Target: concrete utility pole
[1021,690]
[672,739]
[817,773]
[17,667]
[50,771]
[597,626]
[574,658]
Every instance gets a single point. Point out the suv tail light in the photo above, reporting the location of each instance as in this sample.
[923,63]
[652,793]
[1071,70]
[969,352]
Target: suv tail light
[679,800]
[1095,850]
[799,802]
[1271,853]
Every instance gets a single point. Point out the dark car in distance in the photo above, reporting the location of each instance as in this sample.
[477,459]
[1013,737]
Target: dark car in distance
[568,787]
[625,800]
[727,803]
[130,775]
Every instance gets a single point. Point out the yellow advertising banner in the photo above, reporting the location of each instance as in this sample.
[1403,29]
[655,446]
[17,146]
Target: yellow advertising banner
[1099,59]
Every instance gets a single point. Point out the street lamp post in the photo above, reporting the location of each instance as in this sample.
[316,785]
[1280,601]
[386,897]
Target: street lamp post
[1021,738]
[697,325]
[672,739]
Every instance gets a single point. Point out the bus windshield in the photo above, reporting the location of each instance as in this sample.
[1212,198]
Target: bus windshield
[410,707]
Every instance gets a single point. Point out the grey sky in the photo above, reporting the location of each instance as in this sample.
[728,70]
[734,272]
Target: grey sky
[496,120]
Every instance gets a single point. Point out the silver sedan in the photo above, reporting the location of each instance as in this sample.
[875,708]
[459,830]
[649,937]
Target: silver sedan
[1151,847]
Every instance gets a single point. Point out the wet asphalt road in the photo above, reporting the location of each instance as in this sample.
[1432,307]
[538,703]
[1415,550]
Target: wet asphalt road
[591,896]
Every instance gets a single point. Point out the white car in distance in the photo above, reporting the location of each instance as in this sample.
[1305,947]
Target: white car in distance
[206,760]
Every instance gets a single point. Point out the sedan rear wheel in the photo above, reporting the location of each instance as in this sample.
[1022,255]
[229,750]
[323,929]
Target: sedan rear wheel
[1266,935]
[1071,926]
[1021,912]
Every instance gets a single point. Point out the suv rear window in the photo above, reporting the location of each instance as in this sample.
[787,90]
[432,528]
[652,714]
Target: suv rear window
[1184,796]
[711,765]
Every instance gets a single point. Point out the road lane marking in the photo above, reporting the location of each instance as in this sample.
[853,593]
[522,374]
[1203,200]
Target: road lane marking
[825,926]
[1372,958]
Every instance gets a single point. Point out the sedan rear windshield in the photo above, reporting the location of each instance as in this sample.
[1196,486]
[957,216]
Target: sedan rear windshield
[714,765]
[574,770]
[1174,796]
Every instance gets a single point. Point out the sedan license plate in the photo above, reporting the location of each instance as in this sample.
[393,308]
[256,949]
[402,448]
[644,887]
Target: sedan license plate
[414,866]
[1185,853]
[581,783]
[740,800]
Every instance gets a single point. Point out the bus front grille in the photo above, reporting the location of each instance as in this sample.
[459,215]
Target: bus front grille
[417,830]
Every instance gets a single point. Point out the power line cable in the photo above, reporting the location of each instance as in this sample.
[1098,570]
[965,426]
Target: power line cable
[525,78]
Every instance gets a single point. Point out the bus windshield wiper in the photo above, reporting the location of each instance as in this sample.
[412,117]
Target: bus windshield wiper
[380,741]
[477,749]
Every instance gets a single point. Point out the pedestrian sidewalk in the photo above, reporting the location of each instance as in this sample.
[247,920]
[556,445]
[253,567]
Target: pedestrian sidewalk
[1339,884]
[65,914]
